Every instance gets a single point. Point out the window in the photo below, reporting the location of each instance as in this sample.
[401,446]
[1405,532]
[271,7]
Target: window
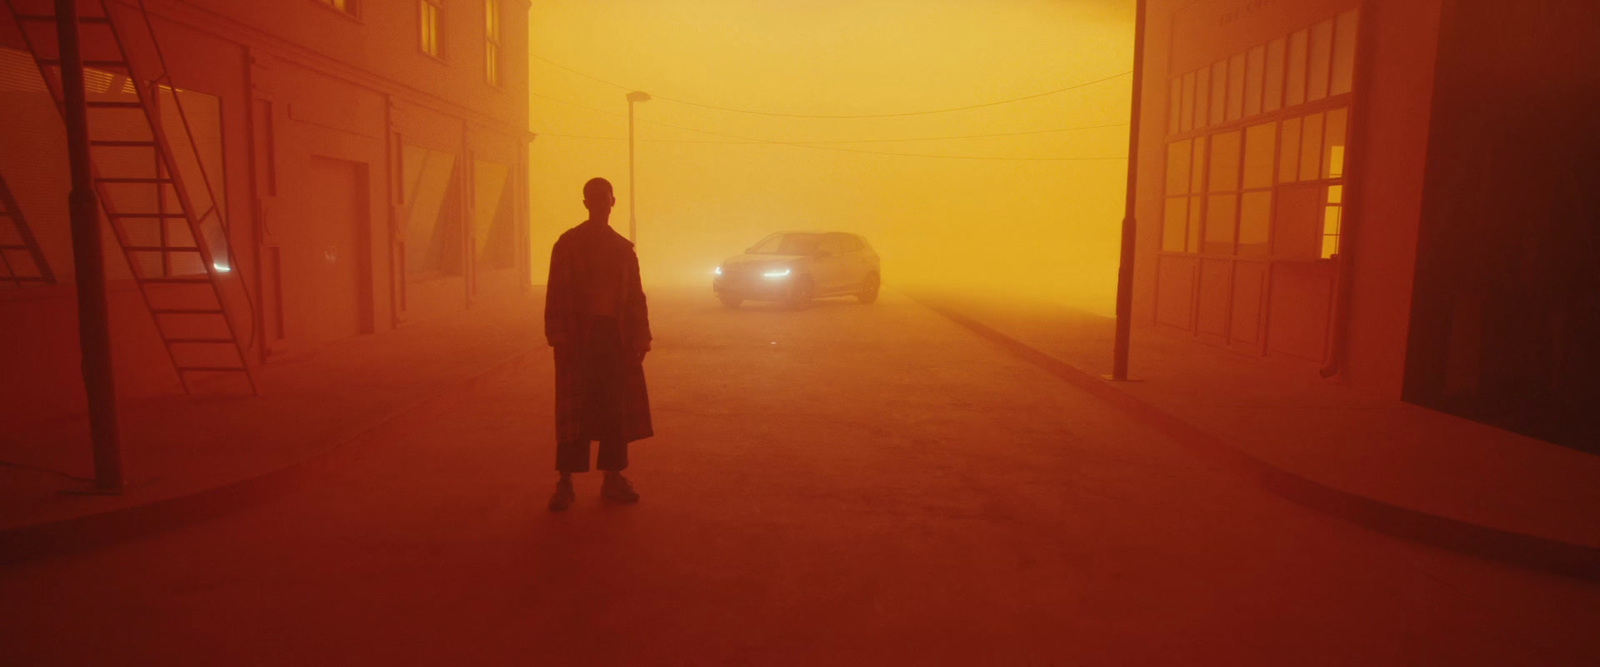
[491,47]
[1270,151]
[346,6]
[431,44]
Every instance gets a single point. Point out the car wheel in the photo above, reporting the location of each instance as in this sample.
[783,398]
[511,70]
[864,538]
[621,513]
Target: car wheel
[869,288]
[730,301]
[801,292]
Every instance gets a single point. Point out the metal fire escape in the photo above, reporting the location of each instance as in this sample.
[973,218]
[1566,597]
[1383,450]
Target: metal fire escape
[149,175]
[21,262]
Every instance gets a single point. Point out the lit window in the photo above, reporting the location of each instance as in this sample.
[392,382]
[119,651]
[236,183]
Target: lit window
[346,6]
[491,50]
[431,43]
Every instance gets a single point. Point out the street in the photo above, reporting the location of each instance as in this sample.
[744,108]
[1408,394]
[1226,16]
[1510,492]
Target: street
[846,484]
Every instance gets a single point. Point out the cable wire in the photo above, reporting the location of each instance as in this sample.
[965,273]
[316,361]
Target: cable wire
[831,116]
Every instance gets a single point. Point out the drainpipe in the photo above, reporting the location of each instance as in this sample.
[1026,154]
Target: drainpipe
[94,326]
[1350,225]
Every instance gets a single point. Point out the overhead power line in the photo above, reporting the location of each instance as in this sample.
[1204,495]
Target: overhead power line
[832,116]
[852,151]
[1057,130]
[812,145]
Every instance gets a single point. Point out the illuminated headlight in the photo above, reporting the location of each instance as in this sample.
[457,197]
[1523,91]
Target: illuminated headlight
[780,273]
[717,271]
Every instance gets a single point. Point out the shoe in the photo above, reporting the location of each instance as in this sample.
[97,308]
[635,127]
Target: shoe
[562,498]
[619,489]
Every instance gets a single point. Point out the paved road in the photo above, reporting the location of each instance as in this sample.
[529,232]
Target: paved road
[847,484]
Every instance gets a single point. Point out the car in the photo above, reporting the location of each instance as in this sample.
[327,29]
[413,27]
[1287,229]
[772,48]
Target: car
[796,267]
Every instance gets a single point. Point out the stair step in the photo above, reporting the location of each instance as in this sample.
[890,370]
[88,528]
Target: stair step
[186,311]
[123,144]
[103,64]
[114,105]
[212,369]
[148,216]
[161,248]
[177,280]
[51,18]
[200,341]
[147,181]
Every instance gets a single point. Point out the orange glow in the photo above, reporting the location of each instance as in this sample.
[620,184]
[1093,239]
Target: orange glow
[708,186]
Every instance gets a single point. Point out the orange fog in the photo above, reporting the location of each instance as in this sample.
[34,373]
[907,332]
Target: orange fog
[1041,222]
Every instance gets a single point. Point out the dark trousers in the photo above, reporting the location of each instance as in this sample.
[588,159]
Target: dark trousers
[574,456]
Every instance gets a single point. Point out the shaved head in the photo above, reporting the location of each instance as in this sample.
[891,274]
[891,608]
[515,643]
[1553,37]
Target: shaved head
[597,190]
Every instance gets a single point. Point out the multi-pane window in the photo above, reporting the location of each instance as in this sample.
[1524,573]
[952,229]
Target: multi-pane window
[491,48]
[1241,145]
[431,29]
[346,6]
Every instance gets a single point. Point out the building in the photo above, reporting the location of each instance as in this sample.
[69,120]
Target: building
[1404,195]
[346,166]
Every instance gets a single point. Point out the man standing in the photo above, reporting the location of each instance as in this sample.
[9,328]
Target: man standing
[595,318]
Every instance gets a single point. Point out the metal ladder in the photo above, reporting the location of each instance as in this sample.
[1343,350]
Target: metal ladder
[21,261]
[174,250]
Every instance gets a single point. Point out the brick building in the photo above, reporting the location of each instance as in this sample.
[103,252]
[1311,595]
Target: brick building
[345,165]
[1402,194]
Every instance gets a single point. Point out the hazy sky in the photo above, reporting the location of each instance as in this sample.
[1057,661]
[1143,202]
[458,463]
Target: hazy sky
[1043,227]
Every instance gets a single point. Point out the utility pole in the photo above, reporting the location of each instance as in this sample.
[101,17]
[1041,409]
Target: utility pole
[1119,350]
[633,219]
[94,327]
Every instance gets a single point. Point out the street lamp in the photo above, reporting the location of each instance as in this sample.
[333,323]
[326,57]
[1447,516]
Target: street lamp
[633,220]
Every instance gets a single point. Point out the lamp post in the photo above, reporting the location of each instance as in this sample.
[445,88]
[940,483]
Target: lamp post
[1119,349]
[633,219]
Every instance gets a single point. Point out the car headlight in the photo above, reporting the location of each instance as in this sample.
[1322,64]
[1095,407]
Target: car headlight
[717,271]
[780,273]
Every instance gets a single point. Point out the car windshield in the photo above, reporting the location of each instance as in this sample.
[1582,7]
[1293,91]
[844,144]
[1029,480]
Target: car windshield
[788,244]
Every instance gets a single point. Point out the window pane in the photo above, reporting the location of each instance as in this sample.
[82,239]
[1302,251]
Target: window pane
[1197,173]
[1295,88]
[1334,143]
[1255,218]
[1330,219]
[1336,194]
[1330,247]
[1321,60]
[1289,159]
[1225,162]
[1186,121]
[1219,91]
[1193,244]
[1175,224]
[1236,86]
[1178,168]
[1311,148]
[1272,88]
[1254,65]
[1175,105]
[1220,214]
[1344,53]
[1202,86]
[1260,147]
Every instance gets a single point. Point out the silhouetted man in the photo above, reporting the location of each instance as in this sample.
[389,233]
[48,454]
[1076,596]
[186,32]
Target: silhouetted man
[595,318]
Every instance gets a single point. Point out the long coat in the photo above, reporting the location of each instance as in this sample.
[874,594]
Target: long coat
[591,252]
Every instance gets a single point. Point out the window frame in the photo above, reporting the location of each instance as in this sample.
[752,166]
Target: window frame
[352,9]
[494,38]
[438,51]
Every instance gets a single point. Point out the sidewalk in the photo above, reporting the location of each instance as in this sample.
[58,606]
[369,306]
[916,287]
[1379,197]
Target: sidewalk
[186,457]
[1384,463]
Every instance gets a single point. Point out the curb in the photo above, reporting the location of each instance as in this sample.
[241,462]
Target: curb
[1530,551]
[56,538]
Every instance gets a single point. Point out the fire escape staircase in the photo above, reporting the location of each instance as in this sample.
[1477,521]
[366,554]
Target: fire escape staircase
[21,262]
[157,199]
